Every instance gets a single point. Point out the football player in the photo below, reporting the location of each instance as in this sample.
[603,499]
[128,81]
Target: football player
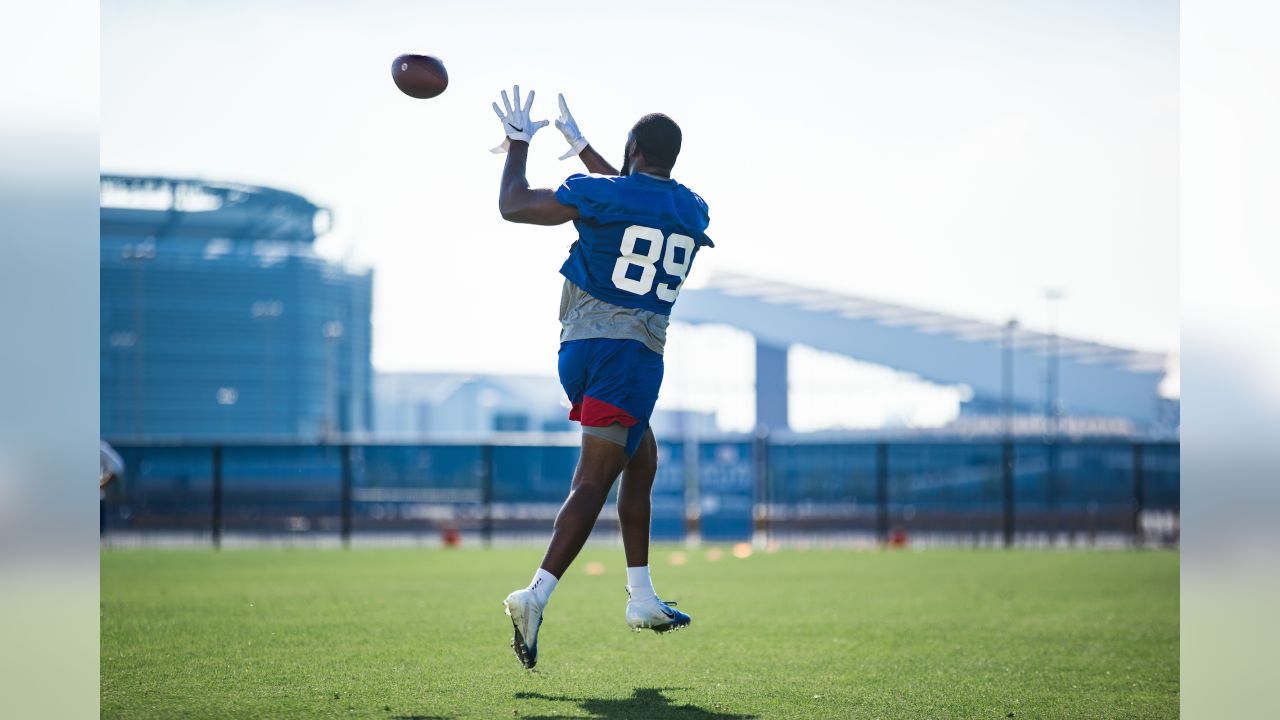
[638,234]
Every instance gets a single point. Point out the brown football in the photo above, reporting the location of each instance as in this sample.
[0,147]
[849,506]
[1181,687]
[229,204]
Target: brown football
[419,76]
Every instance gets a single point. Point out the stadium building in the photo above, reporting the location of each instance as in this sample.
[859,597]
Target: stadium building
[218,319]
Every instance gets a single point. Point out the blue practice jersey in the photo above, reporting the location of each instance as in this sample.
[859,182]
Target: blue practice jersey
[637,237]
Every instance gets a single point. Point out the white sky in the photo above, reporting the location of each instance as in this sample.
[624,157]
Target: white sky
[954,155]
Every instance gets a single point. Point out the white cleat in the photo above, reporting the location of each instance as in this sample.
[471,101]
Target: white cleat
[654,614]
[526,618]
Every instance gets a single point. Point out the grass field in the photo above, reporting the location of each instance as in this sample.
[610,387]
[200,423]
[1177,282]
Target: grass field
[822,634]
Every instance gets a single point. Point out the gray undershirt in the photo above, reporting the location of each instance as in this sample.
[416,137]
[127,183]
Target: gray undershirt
[583,317]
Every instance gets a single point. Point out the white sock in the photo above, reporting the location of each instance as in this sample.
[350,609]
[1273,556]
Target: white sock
[541,586]
[639,584]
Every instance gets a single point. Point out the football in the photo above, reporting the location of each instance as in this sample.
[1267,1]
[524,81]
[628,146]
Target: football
[419,76]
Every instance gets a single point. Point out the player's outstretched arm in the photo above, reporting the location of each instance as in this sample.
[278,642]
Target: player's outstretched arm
[595,163]
[519,203]
[516,201]
[578,145]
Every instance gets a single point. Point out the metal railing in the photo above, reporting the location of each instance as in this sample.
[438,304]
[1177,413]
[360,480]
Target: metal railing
[721,489]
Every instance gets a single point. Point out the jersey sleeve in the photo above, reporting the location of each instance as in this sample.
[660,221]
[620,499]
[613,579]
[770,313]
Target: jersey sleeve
[592,195]
[704,215]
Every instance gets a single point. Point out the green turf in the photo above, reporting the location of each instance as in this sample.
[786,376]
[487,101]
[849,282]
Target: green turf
[825,634]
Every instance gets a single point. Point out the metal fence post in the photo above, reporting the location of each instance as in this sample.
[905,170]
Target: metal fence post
[1051,491]
[486,494]
[216,498]
[1138,490]
[762,490]
[345,451]
[692,497]
[1007,474]
[882,492]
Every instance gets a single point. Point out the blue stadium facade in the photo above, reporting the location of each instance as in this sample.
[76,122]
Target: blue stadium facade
[218,319]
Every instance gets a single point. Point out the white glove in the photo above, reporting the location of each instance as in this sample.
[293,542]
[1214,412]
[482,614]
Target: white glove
[516,123]
[569,128]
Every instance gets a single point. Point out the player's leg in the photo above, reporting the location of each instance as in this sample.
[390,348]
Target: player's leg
[598,466]
[644,608]
[634,505]
[583,366]
[601,462]
[618,394]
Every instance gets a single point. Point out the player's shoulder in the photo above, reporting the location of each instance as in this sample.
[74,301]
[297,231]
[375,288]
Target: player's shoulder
[692,200]
[696,198]
[590,177]
[599,196]
[589,186]
[591,180]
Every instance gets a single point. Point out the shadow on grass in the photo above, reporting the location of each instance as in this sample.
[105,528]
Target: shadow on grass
[643,703]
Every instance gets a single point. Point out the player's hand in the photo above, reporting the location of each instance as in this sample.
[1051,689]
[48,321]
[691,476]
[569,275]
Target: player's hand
[515,121]
[569,128]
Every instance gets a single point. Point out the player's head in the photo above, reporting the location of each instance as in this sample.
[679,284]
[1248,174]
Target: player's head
[652,145]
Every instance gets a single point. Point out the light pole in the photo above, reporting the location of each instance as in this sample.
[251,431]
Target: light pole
[1053,295]
[1051,409]
[332,332]
[1006,373]
[1007,446]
